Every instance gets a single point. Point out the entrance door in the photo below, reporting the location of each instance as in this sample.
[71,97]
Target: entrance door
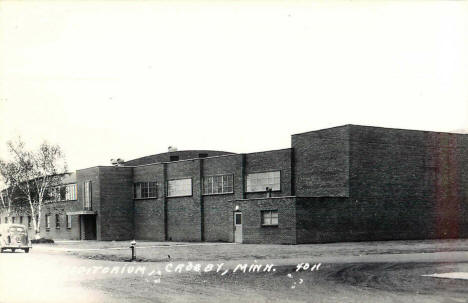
[88,227]
[238,227]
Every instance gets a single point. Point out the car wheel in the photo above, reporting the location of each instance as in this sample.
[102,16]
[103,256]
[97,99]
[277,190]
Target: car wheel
[26,250]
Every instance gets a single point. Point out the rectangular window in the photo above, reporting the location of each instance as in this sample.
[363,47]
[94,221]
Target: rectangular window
[70,192]
[270,217]
[218,185]
[21,220]
[47,221]
[29,222]
[260,181]
[13,220]
[87,195]
[57,221]
[179,188]
[63,195]
[57,193]
[6,219]
[69,218]
[143,190]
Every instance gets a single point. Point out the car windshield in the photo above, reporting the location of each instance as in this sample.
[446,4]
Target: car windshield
[16,229]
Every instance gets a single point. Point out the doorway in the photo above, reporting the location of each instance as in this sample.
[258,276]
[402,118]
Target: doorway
[238,227]
[88,227]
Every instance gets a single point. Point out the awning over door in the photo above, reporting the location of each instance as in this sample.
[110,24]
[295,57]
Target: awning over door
[81,212]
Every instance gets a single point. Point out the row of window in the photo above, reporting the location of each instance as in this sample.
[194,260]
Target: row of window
[57,221]
[47,221]
[269,218]
[257,182]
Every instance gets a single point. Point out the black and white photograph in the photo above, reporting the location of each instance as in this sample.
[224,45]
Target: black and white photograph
[233,151]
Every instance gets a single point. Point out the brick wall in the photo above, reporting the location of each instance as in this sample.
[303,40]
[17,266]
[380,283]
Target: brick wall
[149,213]
[252,229]
[413,183]
[90,174]
[218,208]
[184,213]
[321,161]
[116,203]
[271,161]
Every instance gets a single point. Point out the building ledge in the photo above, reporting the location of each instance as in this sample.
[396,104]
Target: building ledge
[81,212]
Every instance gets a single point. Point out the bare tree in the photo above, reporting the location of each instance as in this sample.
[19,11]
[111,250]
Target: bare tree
[6,187]
[30,175]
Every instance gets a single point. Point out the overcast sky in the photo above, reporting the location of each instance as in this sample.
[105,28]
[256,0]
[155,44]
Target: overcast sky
[127,79]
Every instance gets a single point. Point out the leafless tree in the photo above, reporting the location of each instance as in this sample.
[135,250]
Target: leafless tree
[30,175]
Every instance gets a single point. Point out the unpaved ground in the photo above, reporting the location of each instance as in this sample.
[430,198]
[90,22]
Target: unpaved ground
[175,251]
[347,274]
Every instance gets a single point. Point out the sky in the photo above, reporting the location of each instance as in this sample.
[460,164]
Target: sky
[108,79]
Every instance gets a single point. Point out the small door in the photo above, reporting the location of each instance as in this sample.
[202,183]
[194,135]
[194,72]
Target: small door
[238,227]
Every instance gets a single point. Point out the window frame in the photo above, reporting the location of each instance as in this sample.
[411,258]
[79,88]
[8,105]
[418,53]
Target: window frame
[87,195]
[213,178]
[57,221]
[271,224]
[71,194]
[69,221]
[264,190]
[179,195]
[140,184]
[47,222]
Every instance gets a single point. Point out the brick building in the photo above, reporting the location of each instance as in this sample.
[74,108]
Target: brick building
[347,183]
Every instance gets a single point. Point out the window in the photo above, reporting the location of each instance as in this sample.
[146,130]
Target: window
[218,185]
[57,221]
[69,221]
[29,222]
[47,221]
[13,220]
[260,181]
[174,158]
[179,188]
[21,220]
[202,155]
[6,219]
[87,195]
[70,192]
[238,219]
[270,217]
[62,191]
[143,190]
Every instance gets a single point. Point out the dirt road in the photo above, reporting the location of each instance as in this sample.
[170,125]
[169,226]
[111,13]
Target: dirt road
[54,276]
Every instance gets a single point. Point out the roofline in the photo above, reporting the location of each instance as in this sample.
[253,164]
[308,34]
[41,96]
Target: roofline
[193,159]
[381,127]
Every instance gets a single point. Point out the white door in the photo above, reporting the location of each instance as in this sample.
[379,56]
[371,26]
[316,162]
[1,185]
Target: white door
[237,227]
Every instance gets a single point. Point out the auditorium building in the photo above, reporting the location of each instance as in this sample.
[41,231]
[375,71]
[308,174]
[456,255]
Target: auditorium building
[346,183]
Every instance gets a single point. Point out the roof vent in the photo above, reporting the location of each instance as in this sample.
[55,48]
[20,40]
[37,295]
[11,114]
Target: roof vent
[172,149]
[117,162]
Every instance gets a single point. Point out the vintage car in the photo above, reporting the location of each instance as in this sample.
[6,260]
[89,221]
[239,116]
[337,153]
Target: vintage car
[14,236]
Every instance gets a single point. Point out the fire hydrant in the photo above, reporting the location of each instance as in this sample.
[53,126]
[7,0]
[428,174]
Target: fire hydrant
[133,248]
